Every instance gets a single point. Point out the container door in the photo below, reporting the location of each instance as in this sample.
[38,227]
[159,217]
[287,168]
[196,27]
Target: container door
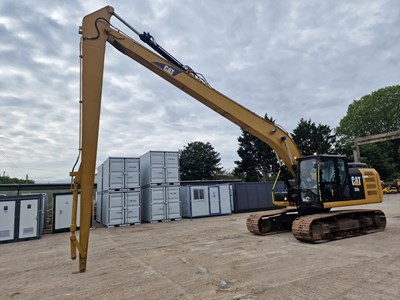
[116,181]
[117,165]
[132,173]
[199,201]
[157,167]
[184,198]
[7,220]
[158,203]
[99,202]
[171,167]
[172,174]
[115,209]
[214,200]
[28,218]
[116,174]
[225,199]
[173,203]
[171,159]
[231,196]
[132,204]
[157,159]
[157,175]
[63,211]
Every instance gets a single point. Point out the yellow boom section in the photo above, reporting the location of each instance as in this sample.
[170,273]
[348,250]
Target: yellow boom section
[96,30]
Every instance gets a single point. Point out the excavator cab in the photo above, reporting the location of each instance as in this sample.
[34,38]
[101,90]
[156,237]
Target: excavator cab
[323,182]
[321,179]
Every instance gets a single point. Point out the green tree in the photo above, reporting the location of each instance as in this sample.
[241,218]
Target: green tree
[258,160]
[199,161]
[312,138]
[378,112]
[384,158]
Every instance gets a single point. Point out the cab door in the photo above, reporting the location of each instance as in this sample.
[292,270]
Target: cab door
[333,180]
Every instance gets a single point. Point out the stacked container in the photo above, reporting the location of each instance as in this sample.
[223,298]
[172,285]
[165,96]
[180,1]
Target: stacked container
[159,168]
[118,192]
[202,201]
[160,183]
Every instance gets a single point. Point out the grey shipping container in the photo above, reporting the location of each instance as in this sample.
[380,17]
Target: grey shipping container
[160,203]
[120,208]
[159,168]
[200,201]
[62,212]
[254,196]
[118,173]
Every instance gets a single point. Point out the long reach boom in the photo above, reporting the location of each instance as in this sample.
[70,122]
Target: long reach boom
[96,30]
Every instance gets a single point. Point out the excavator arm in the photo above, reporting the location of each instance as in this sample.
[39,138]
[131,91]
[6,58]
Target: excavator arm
[96,32]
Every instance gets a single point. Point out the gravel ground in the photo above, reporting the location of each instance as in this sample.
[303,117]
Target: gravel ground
[207,258]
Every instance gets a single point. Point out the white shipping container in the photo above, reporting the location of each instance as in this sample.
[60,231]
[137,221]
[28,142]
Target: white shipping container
[201,201]
[152,168]
[118,173]
[160,203]
[159,167]
[119,208]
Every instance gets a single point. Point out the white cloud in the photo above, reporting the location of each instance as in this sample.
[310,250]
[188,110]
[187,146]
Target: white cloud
[290,59]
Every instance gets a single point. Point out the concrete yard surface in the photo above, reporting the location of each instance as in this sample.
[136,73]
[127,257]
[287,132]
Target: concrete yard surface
[206,258]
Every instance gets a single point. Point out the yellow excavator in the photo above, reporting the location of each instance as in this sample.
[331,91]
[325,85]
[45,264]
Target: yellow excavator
[314,184]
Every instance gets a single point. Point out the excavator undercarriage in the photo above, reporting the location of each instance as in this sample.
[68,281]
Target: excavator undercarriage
[318,228]
[272,221]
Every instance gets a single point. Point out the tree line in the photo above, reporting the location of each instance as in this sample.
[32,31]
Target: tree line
[378,112]
[5,179]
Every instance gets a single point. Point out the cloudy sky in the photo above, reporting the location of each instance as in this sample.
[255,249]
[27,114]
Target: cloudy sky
[290,59]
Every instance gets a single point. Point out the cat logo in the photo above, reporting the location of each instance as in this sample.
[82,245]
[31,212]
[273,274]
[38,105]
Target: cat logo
[356,180]
[168,69]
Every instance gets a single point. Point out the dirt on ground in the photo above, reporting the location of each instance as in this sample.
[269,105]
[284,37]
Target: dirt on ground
[206,258]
